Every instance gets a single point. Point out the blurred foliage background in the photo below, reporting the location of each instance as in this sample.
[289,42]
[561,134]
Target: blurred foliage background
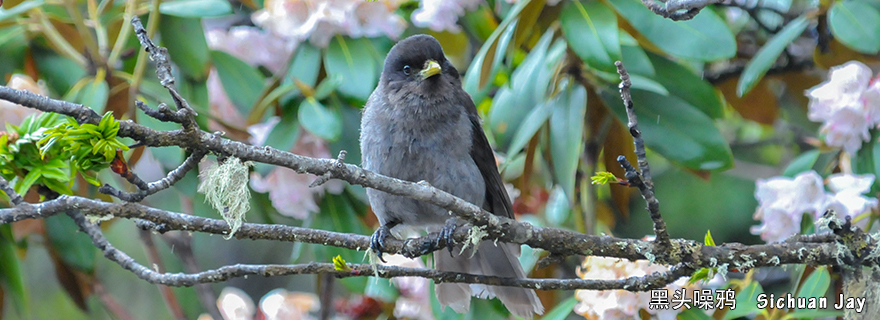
[720,100]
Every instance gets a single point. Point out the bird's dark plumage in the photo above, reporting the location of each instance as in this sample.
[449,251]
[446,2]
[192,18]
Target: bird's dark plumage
[419,124]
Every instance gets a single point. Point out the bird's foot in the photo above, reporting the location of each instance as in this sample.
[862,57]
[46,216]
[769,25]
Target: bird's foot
[447,233]
[445,237]
[377,241]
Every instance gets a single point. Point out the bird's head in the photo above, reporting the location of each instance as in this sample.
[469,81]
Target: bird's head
[417,65]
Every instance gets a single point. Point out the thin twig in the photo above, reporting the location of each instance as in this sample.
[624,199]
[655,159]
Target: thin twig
[173,177]
[641,179]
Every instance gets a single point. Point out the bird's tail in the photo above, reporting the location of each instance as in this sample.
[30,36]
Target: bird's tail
[493,260]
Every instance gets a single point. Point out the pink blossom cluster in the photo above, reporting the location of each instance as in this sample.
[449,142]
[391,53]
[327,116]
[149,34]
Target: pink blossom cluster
[848,104]
[622,304]
[320,20]
[783,201]
[14,113]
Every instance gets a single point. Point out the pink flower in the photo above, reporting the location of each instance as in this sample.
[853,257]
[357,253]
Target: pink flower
[14,113]
[848,104]
[319,21]
[252,45]
[621,304]
[413,302]
[289,191]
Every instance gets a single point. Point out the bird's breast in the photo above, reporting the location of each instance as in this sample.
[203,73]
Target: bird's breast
[406,148]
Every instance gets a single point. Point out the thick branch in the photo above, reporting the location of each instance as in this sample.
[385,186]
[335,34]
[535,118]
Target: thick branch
[656,280]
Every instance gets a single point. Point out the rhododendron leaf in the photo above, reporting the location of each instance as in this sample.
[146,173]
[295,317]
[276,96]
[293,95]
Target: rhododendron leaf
[675,129]
[767,55]
[187,46]
[856,24]
[243,83]
[802,163]
[683,39]
[349,59]
[591,30]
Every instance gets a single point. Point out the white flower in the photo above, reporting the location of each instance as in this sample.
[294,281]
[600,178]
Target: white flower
[847,128]
[782,201]
[848,103]
[320,20]
[847,200]
[442,15]
[621,304]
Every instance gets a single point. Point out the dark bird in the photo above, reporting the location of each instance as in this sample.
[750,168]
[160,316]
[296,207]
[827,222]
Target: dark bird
[419,124]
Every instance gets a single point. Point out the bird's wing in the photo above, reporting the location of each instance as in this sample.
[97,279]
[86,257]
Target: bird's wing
[497,200]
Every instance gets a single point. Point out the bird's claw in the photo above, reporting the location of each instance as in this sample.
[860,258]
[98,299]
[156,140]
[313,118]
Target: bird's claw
[377,241]
[446,234]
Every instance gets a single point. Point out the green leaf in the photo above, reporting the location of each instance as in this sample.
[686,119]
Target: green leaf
[746,301]
[10,270]
[305,67]
[708,239]
[636,61]
[558,209]
[19,9]
[867,159]
[700,275]
[243,84]
[347,58]
[29,180]
[676,130]
[530,126]
[562,310]
[687,85]
[93,95]
[528,86]
[74,247]
[566,134]
[327,86]
[767,55]
[485,65]
[196,8]
[319,120]
[813,314]
[591,31]
[381,289]
[803,163]
[60,73]
[186,43]
[647,84]
[856,24]
[13,48]
[816,284]
[693,314]
[705,37]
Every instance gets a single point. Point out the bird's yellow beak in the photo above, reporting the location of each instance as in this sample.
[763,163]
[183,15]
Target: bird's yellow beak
[431,69]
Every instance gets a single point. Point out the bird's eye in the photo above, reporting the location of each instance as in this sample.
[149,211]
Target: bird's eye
[407,70]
